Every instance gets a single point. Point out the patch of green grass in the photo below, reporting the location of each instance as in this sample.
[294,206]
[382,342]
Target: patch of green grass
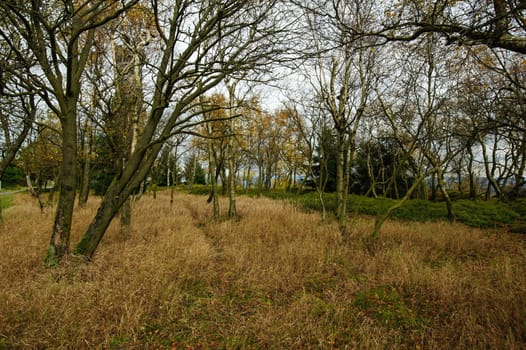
[318,308]
[484,213]
[386,306]
[117,342]
[413,210]
[155,335]
[5,343]
[5,201]
[518,205]
[198,288]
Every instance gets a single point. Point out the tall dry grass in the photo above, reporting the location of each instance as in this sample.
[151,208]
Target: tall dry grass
[276,278]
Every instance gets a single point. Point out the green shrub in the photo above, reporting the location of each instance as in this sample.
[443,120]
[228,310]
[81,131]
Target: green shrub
[385,305]
[311,201]
[422,210]
[13,176]
[200,190]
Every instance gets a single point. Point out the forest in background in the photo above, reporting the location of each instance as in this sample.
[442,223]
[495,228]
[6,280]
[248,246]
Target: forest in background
[400,100]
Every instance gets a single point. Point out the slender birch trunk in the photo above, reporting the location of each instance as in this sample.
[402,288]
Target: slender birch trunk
[232,212]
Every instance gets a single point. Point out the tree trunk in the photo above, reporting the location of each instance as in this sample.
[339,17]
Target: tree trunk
[346,183]
[489,172]
[260,179]
[120,189]
[380,219]
[460,188]
[214,173]
[172,190]
[86,167]
[433,188]
[519,174]
[372,176]
[51,195]
[449,204]
[276,177]
[12,148]
[232,212]
[319,190]
[97,228]
[30,187]
[59,243]
[340,185]
[194,170]
[268,176]
[125,215]
[247,178]
[471,175]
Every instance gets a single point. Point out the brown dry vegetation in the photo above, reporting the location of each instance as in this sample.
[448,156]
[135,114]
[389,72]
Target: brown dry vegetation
[276,278]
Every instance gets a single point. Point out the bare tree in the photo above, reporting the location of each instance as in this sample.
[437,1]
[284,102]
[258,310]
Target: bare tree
[343,80]
[492,23]
[201,44]
[416,103]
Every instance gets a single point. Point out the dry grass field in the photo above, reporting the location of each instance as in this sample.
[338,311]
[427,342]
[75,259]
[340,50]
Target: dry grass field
[277,278]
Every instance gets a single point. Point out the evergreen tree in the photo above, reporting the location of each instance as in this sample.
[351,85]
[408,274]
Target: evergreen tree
[193,171]
[324,168]
[380,169]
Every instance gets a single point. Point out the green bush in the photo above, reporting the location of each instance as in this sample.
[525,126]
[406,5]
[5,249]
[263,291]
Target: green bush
[311,200]
[200,190]
[388,307]
[13,176]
